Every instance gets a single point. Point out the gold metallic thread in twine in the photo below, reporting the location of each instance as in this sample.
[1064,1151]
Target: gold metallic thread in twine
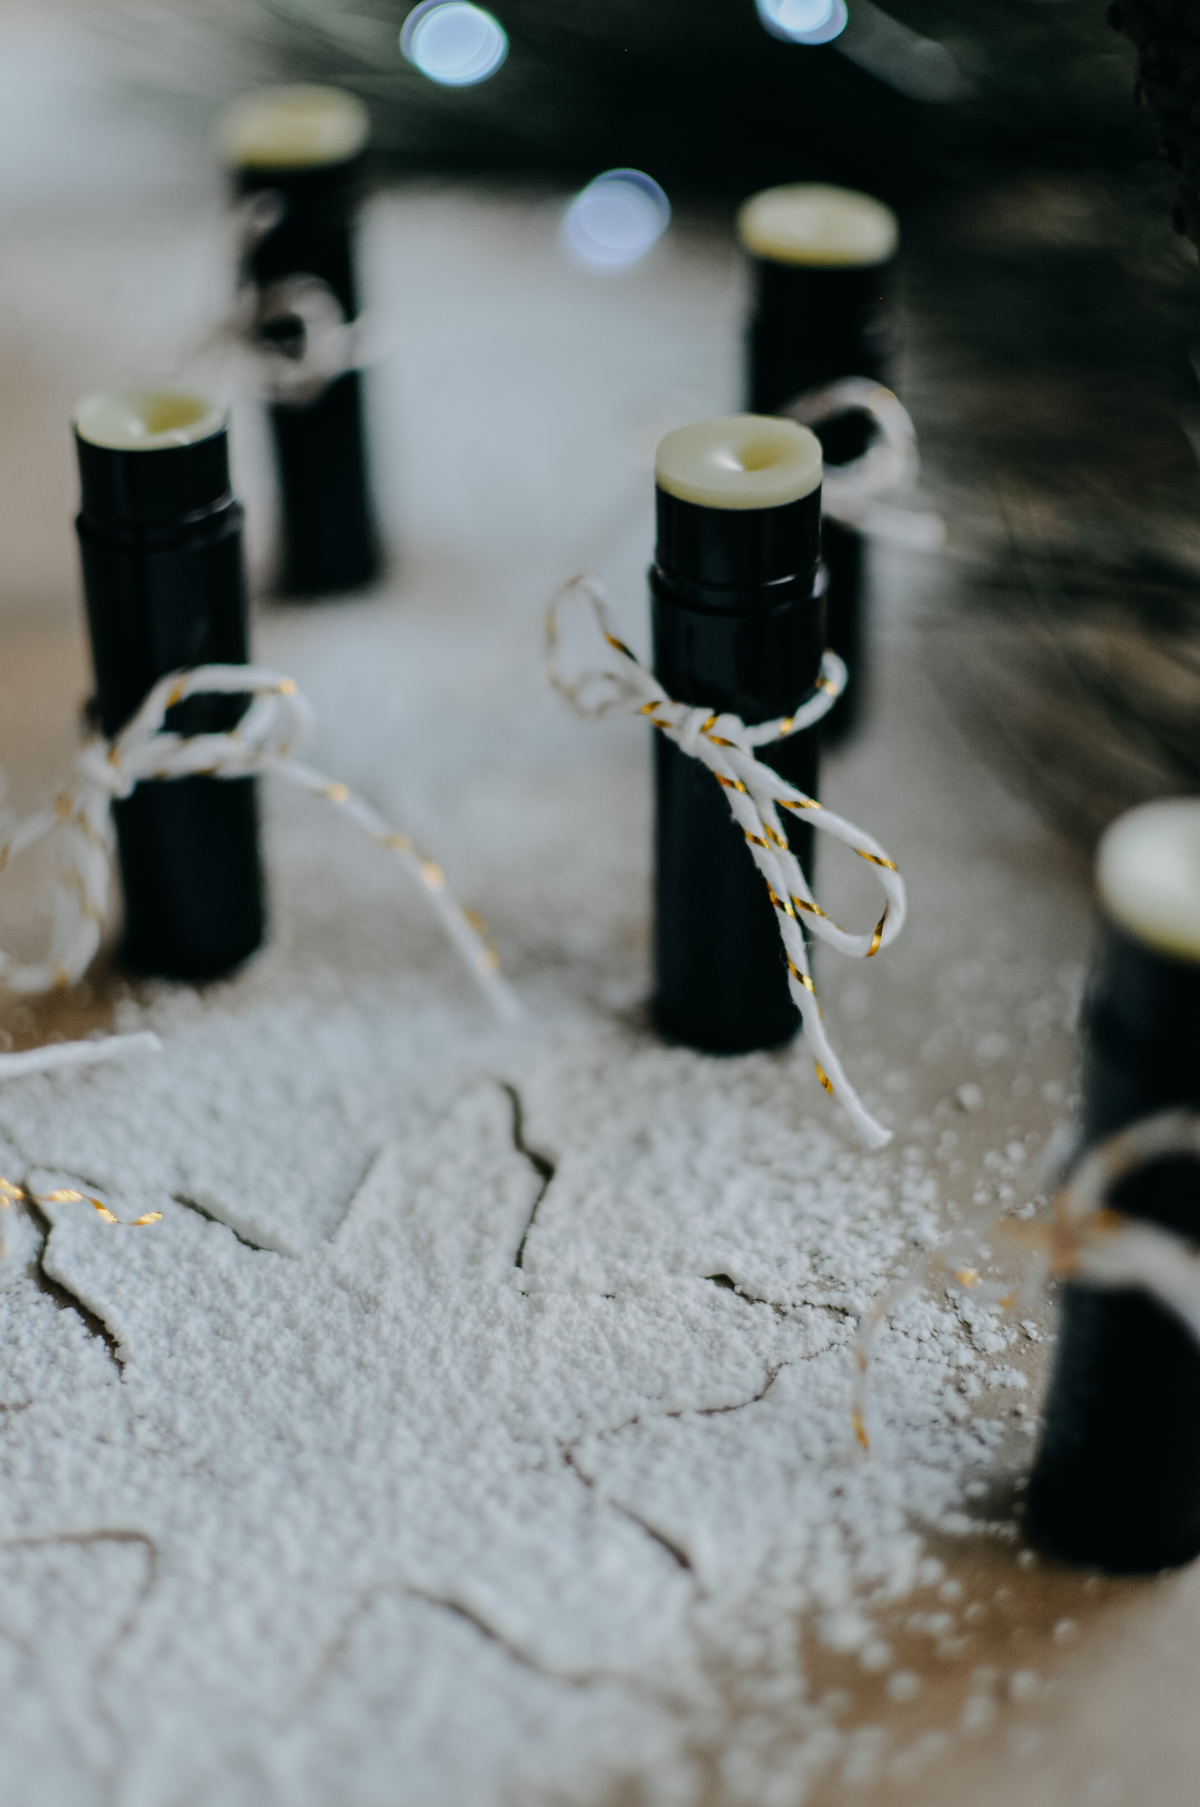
[1083,1240]
[725,745]
[145,750]
[11,1194]
[67,1195]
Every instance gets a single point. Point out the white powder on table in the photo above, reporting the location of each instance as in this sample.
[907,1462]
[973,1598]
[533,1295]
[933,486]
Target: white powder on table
[367,1512]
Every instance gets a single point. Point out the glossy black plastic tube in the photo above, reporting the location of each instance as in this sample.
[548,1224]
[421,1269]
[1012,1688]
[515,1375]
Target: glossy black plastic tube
[736,626]
[1117,1477]
[160,539]
[810,325]
[330,541]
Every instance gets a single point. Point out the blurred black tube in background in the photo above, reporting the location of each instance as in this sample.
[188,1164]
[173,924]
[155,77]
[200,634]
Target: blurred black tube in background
[304,150]
[821,262]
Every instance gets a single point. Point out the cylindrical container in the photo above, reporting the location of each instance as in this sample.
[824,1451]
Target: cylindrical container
[1117,1478]
[738,626]
[821,263]
[305,148]
[160,538]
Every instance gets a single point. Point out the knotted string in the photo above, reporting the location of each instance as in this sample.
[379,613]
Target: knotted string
[850,493]
[261,743]
[1084,1241]
[755,794]
[290,338]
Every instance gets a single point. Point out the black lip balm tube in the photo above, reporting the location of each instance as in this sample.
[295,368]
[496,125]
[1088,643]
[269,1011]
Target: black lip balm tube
[1117,1477]
[307,147]
[736,626]
[160,539]
[821,263]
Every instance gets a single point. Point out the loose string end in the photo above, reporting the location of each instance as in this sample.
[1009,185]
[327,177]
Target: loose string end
[55,1055]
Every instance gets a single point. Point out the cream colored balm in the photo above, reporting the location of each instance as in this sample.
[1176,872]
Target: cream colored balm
[149,419]
[818,226]
[301,127]
[1148,876]
[740,461]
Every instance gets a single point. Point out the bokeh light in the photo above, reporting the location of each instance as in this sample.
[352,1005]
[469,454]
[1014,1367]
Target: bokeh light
[614,220]
[453,42]
[804,21]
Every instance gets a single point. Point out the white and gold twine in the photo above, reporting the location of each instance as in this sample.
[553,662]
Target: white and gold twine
[12,1193]
[1084,1240]
[319,344]
[755,794]
[851,494]
[144,750]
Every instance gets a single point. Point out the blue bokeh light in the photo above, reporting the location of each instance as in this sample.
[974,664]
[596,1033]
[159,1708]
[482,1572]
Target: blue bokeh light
[614,220]
[804,21]
[453,42]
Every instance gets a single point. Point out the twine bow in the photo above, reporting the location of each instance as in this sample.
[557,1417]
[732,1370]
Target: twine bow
[289,340]
[850,493]
[755,794]
[144,750]
[300,340]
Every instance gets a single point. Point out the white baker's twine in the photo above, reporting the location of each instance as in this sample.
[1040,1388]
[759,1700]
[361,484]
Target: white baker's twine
[1085,1241]
[850,492]
[329,345]
[52,1056]
[1090,1242]
[325,346]
[260,743]
[725,744]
